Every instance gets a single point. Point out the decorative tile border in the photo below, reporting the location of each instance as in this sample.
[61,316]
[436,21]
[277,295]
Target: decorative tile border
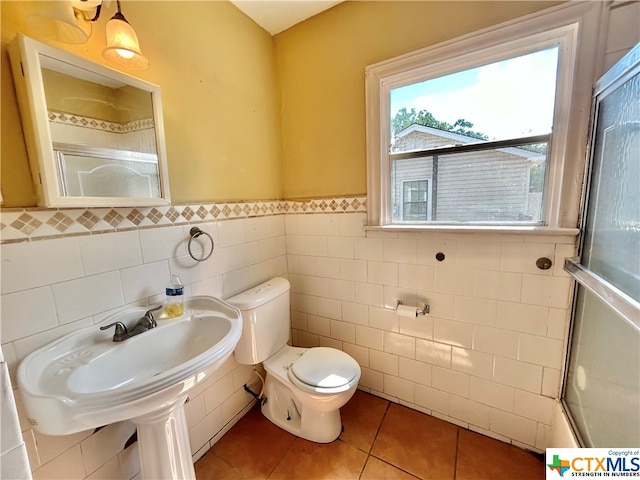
[97,124]
[19,225]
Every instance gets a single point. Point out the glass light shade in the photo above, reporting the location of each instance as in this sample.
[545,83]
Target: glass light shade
[59,21]
[86,5]
[122,45]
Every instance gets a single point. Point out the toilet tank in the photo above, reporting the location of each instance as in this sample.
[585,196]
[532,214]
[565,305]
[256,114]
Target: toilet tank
[265,320]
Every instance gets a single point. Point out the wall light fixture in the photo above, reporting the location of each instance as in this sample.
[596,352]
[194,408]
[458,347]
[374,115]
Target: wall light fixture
[122,43]
[70,21]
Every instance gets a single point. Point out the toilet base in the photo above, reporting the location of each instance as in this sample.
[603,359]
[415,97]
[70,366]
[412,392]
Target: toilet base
[285,411]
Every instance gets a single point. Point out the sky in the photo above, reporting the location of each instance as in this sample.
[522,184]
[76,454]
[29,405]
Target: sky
[507,99]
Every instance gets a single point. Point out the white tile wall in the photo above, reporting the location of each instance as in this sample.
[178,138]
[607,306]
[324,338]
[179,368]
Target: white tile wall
[498,285]
[400,250]
[523,318]
[420,327]
[57,260]
[369,249]
[50,287]
[13,452]
[415,371]
[526,376]
[512,426]
[433,353]
[401,345]
[471,412]
[492,393]
[106,253]
[77,299]
[452,332]
[399,388]
[101,447]
[489,354]
[67,466]
[455,281]
[432,399]
[27,312]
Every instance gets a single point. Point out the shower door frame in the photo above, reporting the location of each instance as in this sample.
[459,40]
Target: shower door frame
[622,304]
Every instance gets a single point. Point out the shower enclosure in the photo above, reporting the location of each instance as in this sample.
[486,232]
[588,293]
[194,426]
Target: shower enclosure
[602,381]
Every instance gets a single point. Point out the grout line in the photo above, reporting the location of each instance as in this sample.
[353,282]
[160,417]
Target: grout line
[235,469]
[396,466]
[375,437]
[455,461]
[283,455]
[416,476]
[205,461]
[368,452]
[364,465]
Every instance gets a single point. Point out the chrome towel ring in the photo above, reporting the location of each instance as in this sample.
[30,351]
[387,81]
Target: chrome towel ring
[195,232]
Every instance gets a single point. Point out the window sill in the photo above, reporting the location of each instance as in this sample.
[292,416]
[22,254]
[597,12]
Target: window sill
[504,229]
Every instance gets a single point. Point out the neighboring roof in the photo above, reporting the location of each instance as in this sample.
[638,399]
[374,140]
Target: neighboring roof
[458,138]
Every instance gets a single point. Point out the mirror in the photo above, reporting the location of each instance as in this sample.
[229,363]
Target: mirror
[94,135]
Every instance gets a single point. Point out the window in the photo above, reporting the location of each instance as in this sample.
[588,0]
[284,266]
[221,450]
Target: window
[480,134]
[416,201]
[476,131]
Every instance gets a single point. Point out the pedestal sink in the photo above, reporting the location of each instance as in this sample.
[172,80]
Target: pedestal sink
[86,380]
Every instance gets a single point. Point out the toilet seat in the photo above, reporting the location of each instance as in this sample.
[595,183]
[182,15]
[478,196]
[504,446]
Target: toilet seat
[324,370]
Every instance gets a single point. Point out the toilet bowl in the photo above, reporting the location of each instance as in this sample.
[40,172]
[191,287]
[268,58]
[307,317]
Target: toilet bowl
[304,387]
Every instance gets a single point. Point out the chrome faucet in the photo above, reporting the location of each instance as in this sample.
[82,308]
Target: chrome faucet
[145,323]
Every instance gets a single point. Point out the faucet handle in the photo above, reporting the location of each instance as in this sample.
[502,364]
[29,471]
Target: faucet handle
[149,314]
[121,330]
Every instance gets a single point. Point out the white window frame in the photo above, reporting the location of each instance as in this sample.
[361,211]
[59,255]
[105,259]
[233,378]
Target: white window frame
[576,27]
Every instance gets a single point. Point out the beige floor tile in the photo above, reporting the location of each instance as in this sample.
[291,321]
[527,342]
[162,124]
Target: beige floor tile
[361,419]
[380,441]
[378,470]
[416,443]
[254,446]
[330,461]
[481,457]
[211,467]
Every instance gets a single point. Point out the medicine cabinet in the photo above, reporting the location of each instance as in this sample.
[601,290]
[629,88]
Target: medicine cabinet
[94,135]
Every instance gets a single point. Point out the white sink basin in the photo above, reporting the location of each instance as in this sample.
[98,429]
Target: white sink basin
[159,357]
[85,380]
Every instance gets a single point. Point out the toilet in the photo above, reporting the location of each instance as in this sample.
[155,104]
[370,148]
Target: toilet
[304,387]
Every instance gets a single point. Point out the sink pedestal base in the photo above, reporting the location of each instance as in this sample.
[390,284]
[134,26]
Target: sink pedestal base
[163,443]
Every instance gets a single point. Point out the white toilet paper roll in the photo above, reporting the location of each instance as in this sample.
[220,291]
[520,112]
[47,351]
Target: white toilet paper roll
[407,311]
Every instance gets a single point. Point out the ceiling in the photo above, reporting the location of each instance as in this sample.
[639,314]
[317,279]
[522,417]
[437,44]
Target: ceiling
[278,15]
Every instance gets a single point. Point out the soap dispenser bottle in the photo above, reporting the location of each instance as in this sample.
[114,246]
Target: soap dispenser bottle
[175,297]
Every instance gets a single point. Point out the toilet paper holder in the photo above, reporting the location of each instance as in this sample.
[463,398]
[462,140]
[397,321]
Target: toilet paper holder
[424,310]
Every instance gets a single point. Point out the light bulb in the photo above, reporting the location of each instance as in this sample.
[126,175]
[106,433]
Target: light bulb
[125,53]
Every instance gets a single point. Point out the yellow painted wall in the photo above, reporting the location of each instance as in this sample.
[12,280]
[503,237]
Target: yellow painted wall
[216,69]
[232,133]
[321,64]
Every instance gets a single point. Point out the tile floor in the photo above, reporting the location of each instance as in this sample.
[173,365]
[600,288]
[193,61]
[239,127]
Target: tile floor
[381,440]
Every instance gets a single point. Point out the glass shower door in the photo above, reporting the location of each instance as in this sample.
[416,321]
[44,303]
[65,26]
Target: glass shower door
[602,382]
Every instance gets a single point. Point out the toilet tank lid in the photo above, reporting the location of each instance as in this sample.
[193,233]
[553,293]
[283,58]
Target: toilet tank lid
[260,294]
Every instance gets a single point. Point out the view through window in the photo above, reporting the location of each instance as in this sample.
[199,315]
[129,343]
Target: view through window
[472,146]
